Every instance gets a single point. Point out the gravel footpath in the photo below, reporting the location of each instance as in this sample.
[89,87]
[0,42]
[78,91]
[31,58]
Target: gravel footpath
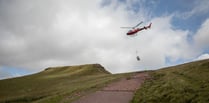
[118,92]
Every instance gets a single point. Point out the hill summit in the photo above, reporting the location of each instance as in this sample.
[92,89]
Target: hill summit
[54,82]
[87,69]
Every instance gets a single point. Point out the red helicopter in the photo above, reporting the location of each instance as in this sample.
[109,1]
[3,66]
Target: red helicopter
[135,30]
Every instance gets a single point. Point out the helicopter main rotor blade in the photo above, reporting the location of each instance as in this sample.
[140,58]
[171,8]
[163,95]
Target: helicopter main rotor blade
[126,27]
[132,27]
[138,24]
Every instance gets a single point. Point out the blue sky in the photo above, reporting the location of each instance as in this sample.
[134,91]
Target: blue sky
[158,8]
[37,34]
[12,72]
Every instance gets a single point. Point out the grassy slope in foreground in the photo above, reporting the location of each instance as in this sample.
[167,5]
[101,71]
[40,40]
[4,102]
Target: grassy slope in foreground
[58,84]
[186,83]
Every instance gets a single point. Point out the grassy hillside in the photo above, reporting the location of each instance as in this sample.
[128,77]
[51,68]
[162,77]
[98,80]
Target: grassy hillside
[58,84]
[186,83]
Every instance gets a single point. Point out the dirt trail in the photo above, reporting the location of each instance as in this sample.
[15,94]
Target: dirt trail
[117,92]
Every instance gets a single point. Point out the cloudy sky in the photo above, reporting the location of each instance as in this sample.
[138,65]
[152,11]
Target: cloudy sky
[36,34]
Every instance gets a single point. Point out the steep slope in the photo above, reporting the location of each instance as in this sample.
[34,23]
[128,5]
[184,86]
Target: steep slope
[55,84]
[186,83]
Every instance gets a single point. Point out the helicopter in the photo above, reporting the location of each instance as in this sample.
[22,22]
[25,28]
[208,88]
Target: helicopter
[134,30]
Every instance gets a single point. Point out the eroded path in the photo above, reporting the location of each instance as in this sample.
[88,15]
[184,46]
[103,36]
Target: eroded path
[117,92]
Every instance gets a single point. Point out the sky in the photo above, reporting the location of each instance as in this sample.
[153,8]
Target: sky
[36,34]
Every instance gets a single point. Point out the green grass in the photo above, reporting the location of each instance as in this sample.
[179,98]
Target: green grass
[56,85]
[187,83]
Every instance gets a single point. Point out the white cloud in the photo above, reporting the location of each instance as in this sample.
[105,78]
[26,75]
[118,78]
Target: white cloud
[69,33]
[201,43]
[203,56]
[202,35]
